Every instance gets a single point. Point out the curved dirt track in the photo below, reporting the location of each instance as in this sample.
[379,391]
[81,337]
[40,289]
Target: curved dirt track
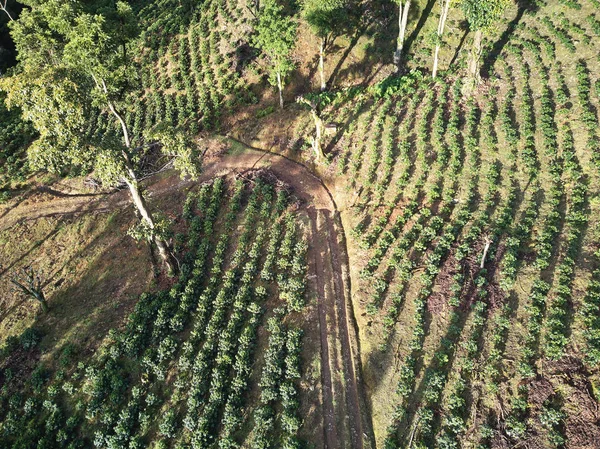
[345,417]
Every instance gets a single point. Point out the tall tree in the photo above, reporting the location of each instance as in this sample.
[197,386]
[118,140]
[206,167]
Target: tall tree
[326,18]
[482,16]
[403,8]
[72,62]
[445,5]
[276,37]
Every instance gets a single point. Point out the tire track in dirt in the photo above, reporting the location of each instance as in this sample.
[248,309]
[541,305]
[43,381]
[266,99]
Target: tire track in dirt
[340,357]
[329,421]
[348,353]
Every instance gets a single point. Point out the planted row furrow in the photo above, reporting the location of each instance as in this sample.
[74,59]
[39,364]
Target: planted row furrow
[417,238]
[403,263]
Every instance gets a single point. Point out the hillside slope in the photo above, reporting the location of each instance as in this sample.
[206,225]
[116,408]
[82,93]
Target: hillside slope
[442,263]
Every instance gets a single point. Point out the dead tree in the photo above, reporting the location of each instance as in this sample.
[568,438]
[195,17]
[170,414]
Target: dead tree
[315,111]
[30,283]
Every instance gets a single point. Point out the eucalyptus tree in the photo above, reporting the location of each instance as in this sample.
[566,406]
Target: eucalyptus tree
[445,8]
[403,8]
[326,18]
[482,16]
[71,63]
[276,37]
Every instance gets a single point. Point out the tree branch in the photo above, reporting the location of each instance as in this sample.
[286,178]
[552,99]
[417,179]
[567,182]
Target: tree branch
[102,86]
[160,170]
[25,290]
[30,284]
[3,8]
[114,111]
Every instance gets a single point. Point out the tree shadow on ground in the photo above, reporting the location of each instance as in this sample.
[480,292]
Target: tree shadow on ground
[119,270]
[17,202]
[60,194]
[36,245]
[465,27]
[89,290]
[353,41]
[524,6]
[410,40]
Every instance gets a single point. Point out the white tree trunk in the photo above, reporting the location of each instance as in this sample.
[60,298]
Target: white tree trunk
[476,56]
[399,43]
[142,207]
[440,33]
[136,194]
[436,56]
[279,85]
[318,135]
[402,23]
[488,242]
[322,64]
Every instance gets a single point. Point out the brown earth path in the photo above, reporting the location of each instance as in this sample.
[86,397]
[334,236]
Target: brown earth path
[346,420]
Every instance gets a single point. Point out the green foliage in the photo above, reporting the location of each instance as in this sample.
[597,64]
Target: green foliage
[261,113]
[326,17]
[50,85]
[142,230]
[184,361]
[177,144]
[82,66]
[560,33]
[276,37]
[398,85]
[484,14]
[30,338]
[15,136]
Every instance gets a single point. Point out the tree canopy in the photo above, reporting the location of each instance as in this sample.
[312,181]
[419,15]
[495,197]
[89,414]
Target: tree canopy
[276,37]
[325,17]
[483,14]
[72,62]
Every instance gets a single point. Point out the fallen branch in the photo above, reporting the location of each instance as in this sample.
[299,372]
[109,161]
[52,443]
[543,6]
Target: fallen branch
[412,433]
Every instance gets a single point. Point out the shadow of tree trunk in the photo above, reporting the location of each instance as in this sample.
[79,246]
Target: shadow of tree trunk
[460,45]
[336,70]
[413,36]
[492,56]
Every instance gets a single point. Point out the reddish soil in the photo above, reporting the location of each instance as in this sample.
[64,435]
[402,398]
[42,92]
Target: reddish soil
[438,301]
[540,390]
[582,428]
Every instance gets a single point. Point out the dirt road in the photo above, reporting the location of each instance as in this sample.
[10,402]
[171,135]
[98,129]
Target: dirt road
[345,418]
